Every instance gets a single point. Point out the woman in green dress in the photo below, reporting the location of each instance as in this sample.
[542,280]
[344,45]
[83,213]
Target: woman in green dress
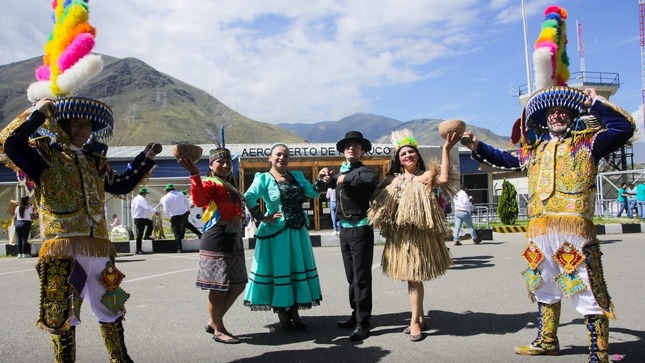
[283,275]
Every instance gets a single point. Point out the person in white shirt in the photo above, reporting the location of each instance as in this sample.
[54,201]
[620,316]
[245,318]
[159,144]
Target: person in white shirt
[22,220]
[142,213]
[462,206]
[176,206]
[331,197]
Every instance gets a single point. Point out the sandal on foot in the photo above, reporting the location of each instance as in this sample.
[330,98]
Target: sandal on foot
[227,341]
[424,327]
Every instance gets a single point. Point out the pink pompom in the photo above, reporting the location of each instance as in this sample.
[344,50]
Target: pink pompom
[43,73]
[547,44]
[81,46]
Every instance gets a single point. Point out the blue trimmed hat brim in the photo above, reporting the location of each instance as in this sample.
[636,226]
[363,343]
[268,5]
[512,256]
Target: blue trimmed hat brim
[97,112]
[557,96]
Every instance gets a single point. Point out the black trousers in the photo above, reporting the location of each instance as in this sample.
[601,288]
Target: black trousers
[178,226]
[141,225]
[357,247]
[189,226]
[22,235]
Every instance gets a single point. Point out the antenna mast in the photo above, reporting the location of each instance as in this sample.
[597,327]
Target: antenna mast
[581,48]
[641,8]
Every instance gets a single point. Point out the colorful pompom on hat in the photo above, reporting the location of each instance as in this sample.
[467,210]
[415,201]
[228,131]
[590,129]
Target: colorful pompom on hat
[551,65]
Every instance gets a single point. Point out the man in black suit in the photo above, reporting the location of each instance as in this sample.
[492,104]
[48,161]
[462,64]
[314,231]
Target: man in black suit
[354,186]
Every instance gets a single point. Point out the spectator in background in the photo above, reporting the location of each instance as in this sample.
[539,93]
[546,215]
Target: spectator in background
[623,204]
[640,200]
[189,226]
[331,197]
[115,221]
[22,221]
[142,213]
[463,208]
[631,199]
[176,205]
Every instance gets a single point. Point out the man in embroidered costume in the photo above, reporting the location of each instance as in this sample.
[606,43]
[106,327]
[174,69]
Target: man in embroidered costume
[563,253]
[56,144]
[563,134]
[354,187]
[76,260]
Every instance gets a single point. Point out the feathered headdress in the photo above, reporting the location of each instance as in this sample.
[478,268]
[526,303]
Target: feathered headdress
[67,66]
[550,59]
[67,63]
[403,137]
[219,151]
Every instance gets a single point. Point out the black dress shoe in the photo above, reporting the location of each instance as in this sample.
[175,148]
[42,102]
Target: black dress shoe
[349,323]
[360,333]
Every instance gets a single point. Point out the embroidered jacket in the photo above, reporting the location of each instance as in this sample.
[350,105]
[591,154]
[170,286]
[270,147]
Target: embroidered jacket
[561,172]
[265,186]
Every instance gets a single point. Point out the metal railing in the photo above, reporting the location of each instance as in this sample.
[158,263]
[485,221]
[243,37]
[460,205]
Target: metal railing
[583,78]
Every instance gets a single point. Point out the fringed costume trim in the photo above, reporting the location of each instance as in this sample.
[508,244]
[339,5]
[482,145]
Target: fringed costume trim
[77,246]
[562,225]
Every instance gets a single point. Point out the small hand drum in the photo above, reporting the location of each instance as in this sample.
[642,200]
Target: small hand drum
[187,152]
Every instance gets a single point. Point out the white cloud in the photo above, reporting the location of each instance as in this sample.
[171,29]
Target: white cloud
[307,61]
[275,61]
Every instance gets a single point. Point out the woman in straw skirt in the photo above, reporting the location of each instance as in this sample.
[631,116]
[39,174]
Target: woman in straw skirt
[409,216]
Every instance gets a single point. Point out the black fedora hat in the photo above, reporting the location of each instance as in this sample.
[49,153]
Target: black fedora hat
[353,136]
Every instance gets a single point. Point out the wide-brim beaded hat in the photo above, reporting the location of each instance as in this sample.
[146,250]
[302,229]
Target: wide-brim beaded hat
[68,108]
[561,96]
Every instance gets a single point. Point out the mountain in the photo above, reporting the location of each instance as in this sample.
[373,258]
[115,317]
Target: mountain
[148,105]
[426,131]
[370,125]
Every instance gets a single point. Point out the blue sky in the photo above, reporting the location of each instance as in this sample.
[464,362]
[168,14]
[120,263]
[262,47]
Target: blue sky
[301,61]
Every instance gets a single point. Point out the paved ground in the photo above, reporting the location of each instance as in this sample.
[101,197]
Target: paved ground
[478,311]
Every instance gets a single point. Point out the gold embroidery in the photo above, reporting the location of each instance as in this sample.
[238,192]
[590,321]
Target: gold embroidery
[532,255]
[568,257]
